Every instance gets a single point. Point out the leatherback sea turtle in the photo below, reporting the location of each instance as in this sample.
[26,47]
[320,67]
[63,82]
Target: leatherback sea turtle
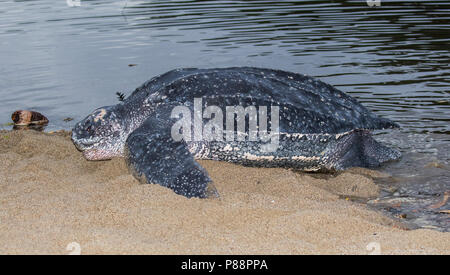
[318,128]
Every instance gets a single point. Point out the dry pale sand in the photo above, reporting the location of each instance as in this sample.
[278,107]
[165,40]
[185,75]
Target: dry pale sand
[50,197]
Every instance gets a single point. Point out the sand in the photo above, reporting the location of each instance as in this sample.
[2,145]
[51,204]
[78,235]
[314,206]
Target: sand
[51,197]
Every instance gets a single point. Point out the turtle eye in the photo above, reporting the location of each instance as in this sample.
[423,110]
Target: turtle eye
[88,124]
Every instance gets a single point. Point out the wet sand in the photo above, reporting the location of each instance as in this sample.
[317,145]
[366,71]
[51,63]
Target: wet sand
[51,196]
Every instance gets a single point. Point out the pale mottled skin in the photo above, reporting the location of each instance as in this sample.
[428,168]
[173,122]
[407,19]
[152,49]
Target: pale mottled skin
[321,128]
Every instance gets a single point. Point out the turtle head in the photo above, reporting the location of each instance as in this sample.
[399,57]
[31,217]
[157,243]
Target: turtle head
[102,134]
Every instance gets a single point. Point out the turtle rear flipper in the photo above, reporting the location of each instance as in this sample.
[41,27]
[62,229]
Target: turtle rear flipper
[154,156]
[358,148]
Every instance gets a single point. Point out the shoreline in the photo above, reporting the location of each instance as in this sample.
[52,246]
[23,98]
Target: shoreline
[51,196]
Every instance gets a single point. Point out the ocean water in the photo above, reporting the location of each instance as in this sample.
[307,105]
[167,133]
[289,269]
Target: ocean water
[65,58]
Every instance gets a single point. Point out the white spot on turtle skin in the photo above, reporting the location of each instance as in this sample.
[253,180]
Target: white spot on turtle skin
[100,115]
[300,158]
[338,136]
[310,136]
[194,147]
[311,169]
[227,148]
[257,158]
[303,158]
[199,150]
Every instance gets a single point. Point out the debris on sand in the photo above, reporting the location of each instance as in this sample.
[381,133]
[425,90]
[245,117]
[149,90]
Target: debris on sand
[25,118]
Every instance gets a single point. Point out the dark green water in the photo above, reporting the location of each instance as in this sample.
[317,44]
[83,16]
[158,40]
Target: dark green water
[66,61]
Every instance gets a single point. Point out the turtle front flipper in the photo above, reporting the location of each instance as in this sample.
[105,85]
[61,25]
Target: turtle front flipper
[154,156]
